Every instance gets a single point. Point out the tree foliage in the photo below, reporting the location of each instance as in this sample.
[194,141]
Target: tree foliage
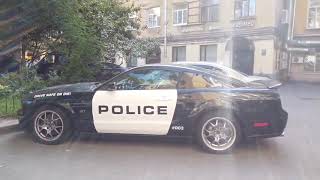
[87,33]
[19,84]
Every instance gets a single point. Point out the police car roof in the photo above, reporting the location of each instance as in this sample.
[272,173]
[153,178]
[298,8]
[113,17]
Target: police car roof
[212,64]
[179,67]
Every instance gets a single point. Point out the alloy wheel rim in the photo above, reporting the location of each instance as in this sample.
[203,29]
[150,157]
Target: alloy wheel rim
[219,133]
[48,125]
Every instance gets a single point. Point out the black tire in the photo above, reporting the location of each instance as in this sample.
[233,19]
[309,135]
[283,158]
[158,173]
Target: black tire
[224,116]
[66,130]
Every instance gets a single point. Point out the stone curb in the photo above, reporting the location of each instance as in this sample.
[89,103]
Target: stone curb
[7,125]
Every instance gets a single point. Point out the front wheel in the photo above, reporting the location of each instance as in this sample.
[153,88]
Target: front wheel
[218,133]
[50,125]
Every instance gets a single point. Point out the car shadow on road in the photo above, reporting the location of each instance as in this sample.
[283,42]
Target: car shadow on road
[101,141]
[10,129]
[253,146]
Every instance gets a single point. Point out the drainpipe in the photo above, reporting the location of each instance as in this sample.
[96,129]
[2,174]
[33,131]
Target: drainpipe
[165,31]
[293,18]
[292,10]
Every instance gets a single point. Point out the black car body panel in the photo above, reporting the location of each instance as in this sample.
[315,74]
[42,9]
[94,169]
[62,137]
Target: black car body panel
[257,109]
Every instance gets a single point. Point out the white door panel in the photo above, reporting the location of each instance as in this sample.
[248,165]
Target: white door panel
[134,111]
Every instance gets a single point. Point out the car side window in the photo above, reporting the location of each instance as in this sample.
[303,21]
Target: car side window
[144,79]
[195,80]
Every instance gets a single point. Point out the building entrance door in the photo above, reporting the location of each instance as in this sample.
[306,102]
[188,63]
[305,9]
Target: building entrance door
[242,54]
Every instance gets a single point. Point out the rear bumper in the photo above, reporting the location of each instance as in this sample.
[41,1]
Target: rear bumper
[283,120]
[267,135]
[276,128]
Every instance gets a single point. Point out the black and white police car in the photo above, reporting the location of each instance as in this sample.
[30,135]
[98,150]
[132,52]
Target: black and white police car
[162,100]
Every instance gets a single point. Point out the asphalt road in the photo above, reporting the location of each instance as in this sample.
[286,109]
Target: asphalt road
[294,157]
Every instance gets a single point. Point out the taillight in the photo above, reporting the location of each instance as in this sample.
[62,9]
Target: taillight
[261,124]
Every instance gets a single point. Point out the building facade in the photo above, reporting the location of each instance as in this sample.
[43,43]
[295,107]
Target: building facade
[242,34]
[304,44]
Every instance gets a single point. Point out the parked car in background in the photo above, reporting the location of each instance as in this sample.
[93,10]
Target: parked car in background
[55,62]
[217,68]
[109,70]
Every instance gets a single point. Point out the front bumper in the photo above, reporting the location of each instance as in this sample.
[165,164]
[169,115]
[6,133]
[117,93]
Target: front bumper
[25,113]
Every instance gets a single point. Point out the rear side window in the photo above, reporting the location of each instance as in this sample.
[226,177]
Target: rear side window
[196,81]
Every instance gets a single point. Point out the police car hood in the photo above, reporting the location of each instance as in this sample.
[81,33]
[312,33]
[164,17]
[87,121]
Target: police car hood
[78,87]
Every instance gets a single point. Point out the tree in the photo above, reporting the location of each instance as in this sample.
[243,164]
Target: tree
[86,32]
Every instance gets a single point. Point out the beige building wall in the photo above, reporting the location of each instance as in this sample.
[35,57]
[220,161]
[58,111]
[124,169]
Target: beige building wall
[268,14]
[300,20]
[264,64]
[193,52]
[303,34]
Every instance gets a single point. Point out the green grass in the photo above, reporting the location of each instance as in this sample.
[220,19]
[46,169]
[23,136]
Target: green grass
[9,106]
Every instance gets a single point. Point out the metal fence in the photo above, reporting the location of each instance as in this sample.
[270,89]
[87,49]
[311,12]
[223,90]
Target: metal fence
[9,105]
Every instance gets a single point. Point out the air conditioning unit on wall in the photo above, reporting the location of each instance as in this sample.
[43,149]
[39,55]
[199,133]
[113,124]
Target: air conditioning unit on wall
[284,16]
[297,59]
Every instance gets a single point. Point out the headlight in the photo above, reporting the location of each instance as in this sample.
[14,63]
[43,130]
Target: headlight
[28,99]
[27,102]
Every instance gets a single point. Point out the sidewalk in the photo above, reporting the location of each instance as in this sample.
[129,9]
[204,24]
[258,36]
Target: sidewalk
[8,123]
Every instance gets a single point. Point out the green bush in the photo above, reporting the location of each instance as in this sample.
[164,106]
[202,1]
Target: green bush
[21,83]
[9,106]
[16,85]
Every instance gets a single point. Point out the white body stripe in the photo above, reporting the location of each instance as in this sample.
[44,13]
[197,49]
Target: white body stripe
[153,124]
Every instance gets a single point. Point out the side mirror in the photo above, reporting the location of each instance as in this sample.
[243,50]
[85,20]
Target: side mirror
[111,86]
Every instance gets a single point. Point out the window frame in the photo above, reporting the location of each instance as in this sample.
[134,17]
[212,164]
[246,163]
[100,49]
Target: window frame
[157,19]
[175,16]
[207,7]
[316,7]
[206,45]
[133,17]
[132,61]
[176,47]
[248,11]
[315,71]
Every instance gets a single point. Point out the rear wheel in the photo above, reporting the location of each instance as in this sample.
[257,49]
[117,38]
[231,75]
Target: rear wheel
[50,125]
[218,133]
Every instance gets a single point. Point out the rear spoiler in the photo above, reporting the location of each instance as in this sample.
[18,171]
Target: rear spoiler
[270,84]
[274,86]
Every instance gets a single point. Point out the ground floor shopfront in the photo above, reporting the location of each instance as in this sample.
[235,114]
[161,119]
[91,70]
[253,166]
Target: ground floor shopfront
[305,65]
[254,52]
[252,57]
[304,58]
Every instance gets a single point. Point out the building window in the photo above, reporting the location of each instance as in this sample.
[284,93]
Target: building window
[244,8]
[208,53]
[179,53]
[180,14]
[132,22]
[154,17]
[312,64]
[209,10]
[132,61]
[314,14]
